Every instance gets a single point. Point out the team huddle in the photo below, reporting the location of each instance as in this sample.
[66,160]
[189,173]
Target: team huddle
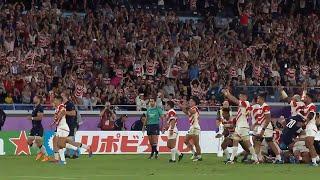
[65,126]
[276,140]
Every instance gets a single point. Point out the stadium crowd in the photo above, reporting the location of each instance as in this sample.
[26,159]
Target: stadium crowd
[123,54]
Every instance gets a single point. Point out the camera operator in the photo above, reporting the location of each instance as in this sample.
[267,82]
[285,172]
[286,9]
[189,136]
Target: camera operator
[107,118]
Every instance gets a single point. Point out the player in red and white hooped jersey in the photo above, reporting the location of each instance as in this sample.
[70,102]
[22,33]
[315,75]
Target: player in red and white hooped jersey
[60,139]
[194,131]
[242,126]
[172,130]
[256,118]
[265,129]
[311,127]
[295,102]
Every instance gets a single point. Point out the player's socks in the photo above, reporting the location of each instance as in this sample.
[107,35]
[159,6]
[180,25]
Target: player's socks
[226,152]
[173,154]
[193,151]
[70,146]
[154,150]
[234,153]
[278,157]
[314,160]
[62,156]
[177,151]
[56,156]
[43,150]
[253,153]
[83,146]
[318,159]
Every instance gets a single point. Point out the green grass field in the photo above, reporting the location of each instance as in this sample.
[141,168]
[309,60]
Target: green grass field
[134,167]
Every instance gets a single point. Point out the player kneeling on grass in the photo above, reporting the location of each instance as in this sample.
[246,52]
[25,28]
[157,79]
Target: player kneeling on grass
[172,129]
[300,151]
[36,133]
[226,129]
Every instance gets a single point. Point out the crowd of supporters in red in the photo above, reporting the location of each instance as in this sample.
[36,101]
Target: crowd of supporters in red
[123,53]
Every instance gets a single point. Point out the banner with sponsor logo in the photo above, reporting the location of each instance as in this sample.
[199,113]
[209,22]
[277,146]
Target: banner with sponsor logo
[135,142]
[15,143]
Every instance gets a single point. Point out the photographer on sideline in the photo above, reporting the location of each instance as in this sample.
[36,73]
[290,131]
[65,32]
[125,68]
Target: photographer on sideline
[107,118]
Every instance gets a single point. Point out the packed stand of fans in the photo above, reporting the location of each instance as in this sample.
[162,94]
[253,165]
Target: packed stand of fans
[123,54]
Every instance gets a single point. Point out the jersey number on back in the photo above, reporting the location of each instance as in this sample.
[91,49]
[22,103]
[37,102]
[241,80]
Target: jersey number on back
[291,123]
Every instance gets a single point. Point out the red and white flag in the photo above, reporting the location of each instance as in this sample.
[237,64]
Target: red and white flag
[173,72]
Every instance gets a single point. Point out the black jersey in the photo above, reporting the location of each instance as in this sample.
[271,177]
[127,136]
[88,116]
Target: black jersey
[37,109]
[291,130]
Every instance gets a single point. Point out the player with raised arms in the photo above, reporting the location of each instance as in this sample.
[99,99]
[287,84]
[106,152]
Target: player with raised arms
[242,126]
[193,113]
[172,130]
[295,102]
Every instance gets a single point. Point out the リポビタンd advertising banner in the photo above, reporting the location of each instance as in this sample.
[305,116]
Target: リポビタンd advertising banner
[135,142]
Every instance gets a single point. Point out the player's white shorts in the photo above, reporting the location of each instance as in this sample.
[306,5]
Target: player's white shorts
[174,135]
[62,132]
[300,146]
[241,133]
[194,130]
[268,133]
[311,130]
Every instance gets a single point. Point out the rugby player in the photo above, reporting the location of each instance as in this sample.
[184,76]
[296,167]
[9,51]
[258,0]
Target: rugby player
[295,102]
[226,125]
[172,130]
[311,127]
[265,129]
[36,132]
[192,112]
[300,151]
[242,125]
[292,127]
[71,119]
[63,130]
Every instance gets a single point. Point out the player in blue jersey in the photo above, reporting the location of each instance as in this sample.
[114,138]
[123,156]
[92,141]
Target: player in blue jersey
[292,126]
